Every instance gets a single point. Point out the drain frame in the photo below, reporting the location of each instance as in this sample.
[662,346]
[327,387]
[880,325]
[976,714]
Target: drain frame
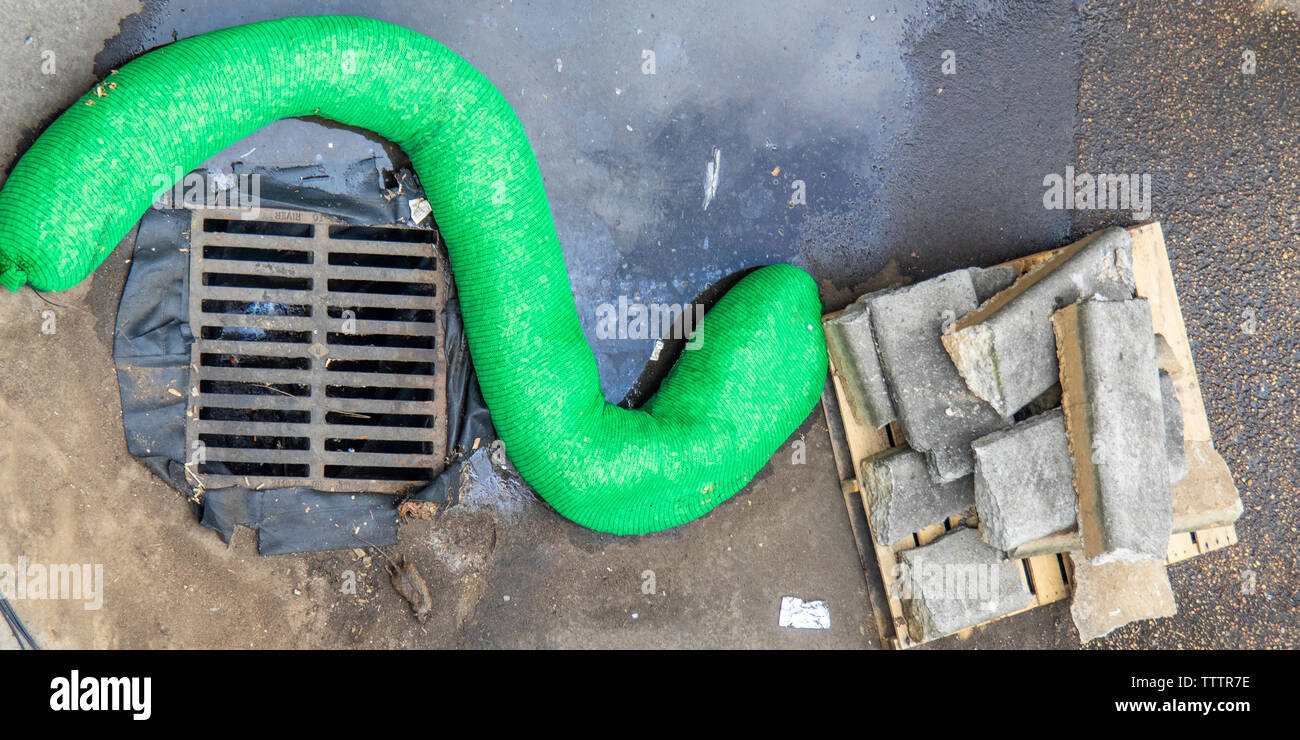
[251,276]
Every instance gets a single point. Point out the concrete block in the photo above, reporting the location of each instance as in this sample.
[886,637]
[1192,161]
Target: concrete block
[1165,356]
[1024,482]
[1206,497]
[904,498]
[1173,412]
[1115,423]
[956,582]
[1203,497]
[939,414]
[1067,541]
[989,281]
[1113,594]
[853,352]
[1046,401]
[1004,349]
[948,463]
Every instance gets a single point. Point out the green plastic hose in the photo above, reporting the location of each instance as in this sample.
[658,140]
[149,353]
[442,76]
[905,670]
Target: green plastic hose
[719,415]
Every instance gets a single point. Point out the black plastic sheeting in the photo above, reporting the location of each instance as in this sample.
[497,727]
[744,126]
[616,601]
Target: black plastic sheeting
[151,350]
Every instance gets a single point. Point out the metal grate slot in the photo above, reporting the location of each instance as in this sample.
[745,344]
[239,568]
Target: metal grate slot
[381,234]
[238,225]
[252,254]
[255,308]
[318,357]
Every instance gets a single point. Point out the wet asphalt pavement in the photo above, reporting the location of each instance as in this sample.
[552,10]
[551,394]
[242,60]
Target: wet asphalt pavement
[895,161]
[1223,149]
[904,168]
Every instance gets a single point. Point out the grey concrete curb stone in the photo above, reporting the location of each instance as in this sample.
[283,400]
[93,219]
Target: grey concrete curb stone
[956,582]
[1204,499]
[1201,486]
[904,499]
[939,414]
[852,347]
[1004,349]
[989,281]
[1116,427]
[1165,356]
[1024,482]
[1173,411]
[1112,595]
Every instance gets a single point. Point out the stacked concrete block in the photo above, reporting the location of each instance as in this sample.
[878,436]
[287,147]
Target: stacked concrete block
[852,349]
[989,281]
[1024,482]
[1004,350]
[1067,541]
[1200,501]
[1173,412]
[956,582]
[1113,594]
[1116,427]
[939,414]
[1099,468]
[903,498]
[1165,356]
[1206,497]
[1046,401]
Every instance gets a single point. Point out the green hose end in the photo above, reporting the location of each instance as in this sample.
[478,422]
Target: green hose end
[749,378]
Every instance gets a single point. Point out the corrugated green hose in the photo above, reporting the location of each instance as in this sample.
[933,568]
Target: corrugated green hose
[716,419]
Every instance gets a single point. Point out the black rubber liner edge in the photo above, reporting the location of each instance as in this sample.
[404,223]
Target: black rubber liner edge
[151,351]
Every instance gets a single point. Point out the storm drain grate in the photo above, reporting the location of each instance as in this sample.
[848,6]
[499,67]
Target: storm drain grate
[317,357]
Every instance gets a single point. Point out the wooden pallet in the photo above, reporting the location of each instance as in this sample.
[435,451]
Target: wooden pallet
[1048,577]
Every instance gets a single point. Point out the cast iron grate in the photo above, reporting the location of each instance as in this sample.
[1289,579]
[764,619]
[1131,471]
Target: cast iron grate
[317,357]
